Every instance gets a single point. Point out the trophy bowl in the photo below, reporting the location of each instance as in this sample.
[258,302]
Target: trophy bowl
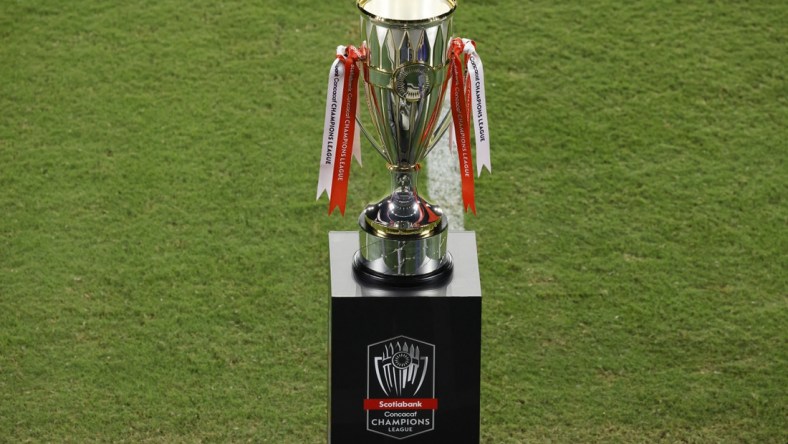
[405,69]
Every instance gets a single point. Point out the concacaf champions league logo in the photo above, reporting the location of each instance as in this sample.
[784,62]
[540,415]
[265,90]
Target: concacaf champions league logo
[400,399]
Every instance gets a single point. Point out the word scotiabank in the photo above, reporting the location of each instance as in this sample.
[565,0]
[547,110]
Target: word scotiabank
[400,398]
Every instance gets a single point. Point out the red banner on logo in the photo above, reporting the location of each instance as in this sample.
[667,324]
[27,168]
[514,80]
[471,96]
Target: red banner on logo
[401,404]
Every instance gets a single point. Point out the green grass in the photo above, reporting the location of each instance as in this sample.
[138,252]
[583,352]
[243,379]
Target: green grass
[163,264]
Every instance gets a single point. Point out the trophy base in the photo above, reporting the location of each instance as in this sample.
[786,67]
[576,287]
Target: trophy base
[403,258]
[372,278]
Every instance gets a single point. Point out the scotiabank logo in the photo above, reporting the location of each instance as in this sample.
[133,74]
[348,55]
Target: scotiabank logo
[400,399]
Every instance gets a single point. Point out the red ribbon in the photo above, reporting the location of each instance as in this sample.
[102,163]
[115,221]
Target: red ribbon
[460,109]
[347,129]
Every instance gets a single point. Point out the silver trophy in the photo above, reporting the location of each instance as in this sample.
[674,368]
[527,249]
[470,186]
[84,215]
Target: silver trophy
[403,237]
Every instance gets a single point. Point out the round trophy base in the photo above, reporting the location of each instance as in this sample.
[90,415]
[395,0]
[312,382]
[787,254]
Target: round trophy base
[412,256]
[435,278]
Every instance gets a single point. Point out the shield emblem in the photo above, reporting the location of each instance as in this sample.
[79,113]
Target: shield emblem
[400,398]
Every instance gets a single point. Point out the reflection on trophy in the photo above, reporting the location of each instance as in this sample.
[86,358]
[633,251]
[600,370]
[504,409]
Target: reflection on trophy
[406,64]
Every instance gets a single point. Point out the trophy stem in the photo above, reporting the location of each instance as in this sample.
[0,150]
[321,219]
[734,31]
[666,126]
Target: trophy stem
[404,203]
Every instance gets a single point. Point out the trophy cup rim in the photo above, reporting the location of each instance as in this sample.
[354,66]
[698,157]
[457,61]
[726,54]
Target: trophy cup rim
[398,22]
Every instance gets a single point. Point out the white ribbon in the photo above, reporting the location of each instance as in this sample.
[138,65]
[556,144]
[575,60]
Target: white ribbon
[336,87]
[478,108]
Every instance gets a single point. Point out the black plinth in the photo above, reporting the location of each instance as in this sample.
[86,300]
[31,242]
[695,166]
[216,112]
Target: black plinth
[404,363]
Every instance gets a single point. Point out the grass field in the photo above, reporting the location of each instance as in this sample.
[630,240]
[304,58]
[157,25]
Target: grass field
[164,266]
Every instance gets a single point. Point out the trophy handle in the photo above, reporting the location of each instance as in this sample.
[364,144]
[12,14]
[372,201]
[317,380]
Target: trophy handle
[375,144]
[439,131]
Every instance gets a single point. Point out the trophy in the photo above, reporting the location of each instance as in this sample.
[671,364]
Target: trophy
[406,65]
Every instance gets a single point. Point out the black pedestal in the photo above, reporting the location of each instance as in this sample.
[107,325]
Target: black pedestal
[404,364]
